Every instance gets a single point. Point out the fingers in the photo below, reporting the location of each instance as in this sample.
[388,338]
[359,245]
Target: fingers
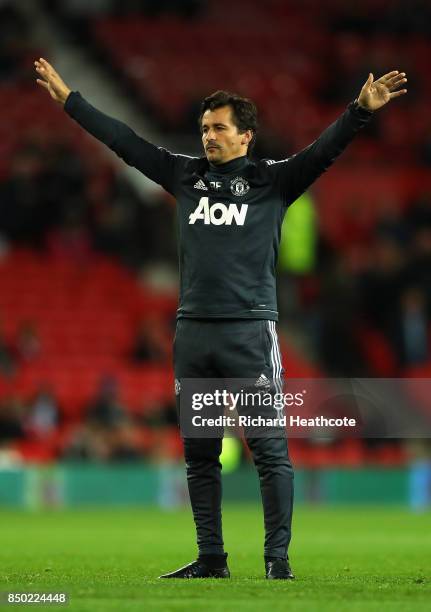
[42,83]
[389,75]
[394,84]
[41,70]
[45,69]
[392,78]
[45,64]
[397,94]
[395,81]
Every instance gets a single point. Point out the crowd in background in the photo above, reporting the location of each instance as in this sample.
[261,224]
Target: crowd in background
[49,202]
[106,432]
[387,290]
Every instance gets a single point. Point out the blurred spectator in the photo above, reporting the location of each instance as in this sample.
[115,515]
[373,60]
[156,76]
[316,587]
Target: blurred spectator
[106,409]
[45,187]
[419,265]
[21,218]
[43,415]
[11,59]
[13,37]
[391,223]
[7,358]
[418,216]
[95,442]
[87,443]
[159,415]
[12,413]
[115,225]
[381,285]
[420,473]
[410,332]
[337,343]
[28,344]
[152,342]
[64,181]
[124,443]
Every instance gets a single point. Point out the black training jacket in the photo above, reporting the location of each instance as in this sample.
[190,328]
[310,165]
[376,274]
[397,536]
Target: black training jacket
[229,215]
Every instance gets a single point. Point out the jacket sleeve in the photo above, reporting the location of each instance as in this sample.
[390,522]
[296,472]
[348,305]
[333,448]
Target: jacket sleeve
[295,174]
[156,163]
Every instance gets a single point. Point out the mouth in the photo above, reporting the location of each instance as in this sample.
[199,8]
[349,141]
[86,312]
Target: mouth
[212,148]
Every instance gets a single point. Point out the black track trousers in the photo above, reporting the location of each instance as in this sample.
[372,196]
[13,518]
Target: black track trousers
[234,349]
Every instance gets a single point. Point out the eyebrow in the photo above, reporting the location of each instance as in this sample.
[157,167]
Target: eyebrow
[218,124]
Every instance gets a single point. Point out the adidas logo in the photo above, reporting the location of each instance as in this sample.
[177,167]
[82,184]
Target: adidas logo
[262,381]
[200,185]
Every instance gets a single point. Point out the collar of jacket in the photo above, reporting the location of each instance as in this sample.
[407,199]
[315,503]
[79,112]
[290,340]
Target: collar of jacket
[234,165]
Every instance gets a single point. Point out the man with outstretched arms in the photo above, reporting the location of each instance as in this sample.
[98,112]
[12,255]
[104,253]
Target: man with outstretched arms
[230,209]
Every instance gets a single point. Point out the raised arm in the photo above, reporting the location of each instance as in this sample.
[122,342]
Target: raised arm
[155,162]
[295,174]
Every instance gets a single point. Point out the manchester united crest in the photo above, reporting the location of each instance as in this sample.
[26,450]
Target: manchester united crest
[239,186]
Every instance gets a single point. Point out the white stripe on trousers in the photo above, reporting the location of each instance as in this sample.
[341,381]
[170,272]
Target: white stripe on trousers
[277,367]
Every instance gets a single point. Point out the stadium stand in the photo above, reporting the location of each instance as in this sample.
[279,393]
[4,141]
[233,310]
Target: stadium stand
[66,277]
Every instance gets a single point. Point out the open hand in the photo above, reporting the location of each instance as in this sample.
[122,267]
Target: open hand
[375,94]
[51,80]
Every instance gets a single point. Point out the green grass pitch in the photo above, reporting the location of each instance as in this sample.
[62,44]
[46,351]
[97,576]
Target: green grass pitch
[344,559]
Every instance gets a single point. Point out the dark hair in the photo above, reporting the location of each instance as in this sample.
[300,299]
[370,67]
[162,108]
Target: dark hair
[244,112]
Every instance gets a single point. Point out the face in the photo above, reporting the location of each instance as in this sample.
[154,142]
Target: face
[220,137]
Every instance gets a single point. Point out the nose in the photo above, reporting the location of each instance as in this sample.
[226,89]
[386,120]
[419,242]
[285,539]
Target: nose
[210,135]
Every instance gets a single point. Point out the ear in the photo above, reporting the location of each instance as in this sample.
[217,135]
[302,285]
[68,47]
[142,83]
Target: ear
[246,137]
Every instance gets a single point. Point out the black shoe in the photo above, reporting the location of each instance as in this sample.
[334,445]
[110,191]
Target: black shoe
[278,569]
[198,569]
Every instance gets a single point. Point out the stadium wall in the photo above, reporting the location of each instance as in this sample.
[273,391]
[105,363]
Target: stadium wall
[165,486]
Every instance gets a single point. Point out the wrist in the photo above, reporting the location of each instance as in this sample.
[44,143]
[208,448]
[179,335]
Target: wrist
[64,96]
[357,104]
